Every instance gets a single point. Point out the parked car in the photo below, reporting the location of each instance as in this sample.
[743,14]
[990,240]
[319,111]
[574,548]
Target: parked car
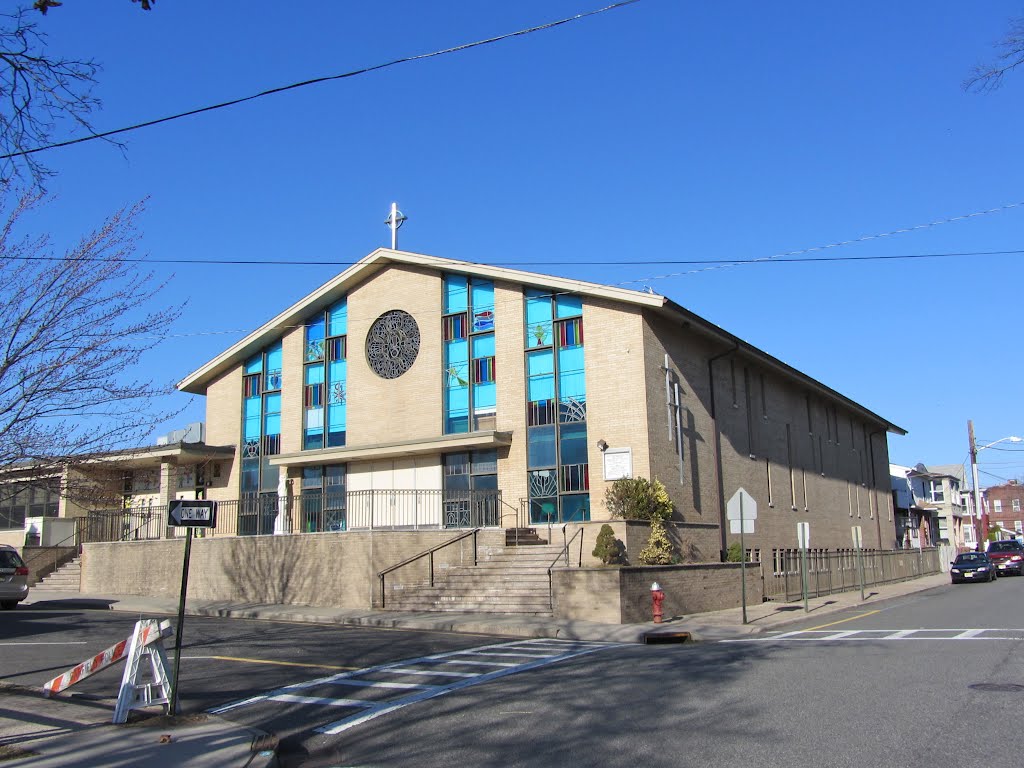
[13,578]
[972,566]
[1007,556]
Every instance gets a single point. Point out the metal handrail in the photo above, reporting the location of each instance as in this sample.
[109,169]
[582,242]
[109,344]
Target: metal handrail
[76,538]
[429,553]
[564,554]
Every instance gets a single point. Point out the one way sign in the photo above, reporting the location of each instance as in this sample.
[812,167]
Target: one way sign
[192,514]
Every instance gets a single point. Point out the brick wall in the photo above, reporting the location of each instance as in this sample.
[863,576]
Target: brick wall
[623,595]
[802,455]
[326,569]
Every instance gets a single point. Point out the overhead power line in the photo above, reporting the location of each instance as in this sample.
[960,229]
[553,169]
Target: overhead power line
[548,262]
[317,80]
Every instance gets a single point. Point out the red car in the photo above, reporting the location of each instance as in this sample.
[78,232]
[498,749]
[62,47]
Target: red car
[1007,556]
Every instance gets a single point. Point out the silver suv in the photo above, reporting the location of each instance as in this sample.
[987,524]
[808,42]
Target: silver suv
[13,578]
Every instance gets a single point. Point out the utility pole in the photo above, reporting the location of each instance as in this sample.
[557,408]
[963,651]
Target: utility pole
[980,526]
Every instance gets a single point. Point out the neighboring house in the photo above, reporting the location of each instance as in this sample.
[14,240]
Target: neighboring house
[119,494]
[415,392]
[939,487]
[916,519]
[1005,506]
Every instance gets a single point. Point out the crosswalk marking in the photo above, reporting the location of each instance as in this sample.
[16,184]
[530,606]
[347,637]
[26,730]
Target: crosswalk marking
[829,636]
[530,653]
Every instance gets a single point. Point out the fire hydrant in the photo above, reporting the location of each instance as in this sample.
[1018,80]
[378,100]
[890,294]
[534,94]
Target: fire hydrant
[657,597]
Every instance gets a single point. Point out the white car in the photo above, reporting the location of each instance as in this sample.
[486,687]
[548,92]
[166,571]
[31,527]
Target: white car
[13,578]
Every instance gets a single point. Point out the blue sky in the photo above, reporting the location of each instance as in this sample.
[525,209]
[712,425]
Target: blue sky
[663,130]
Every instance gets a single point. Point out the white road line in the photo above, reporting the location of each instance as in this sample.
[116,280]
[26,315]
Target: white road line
[439,672]
[354,677]
[382,684]
[70,642]
[863,635]
[485,663]
[351,722]
[292,698]
[840,635]
[967,634]
[516,655]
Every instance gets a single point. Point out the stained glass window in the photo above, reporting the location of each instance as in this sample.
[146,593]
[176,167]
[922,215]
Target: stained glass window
[325,379]
[467,329]
[261,419]
[558,477]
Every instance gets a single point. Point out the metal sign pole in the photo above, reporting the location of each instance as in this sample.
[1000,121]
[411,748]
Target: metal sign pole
[181,622]
[743,564]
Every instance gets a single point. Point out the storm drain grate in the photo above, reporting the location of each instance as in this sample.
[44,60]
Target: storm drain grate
[663,638]
[997,687]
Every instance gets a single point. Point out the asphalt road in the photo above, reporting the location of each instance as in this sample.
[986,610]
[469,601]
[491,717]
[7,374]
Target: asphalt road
[931,679]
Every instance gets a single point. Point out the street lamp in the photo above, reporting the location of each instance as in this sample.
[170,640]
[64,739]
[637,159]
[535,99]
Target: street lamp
[981,519]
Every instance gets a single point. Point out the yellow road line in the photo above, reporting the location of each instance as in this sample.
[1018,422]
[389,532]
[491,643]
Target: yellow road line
[274,663]
[833,623]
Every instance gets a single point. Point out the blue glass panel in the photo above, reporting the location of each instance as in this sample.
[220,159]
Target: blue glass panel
[456,294]
[573,444]
[538,318]
[483,346]
[254,365]
[576,508]
[456,402]
[272,423]
[571,380]
[540,370]
[456,363]
[314,374]
[543,510]
[336,416]
[250,475]
[483,305]
[568,305]
[274,357]
[253,416]
[541,446]
[485,397]
[315,340]
[337,319]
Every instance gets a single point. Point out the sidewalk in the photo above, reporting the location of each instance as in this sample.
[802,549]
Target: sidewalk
[72,732]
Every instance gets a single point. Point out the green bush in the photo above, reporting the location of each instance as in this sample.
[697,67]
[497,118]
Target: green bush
[659,549]
[638,498]
[734,554]
[608,549]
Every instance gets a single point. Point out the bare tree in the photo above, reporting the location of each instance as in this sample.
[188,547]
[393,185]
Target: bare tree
[988,77]
[41,93]
[72,328]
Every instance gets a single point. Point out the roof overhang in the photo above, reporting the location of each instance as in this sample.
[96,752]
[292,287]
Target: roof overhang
[394,450]
[382,258]
[676,313]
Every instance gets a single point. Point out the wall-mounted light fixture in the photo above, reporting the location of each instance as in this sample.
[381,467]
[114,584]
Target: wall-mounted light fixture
[602,446]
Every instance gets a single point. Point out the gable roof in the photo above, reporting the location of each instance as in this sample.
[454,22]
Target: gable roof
[382,258]
[335,288]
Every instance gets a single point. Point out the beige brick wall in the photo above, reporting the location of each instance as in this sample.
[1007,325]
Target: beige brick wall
[224,427]
[623,595]
[616,397]
[409,407]
[327,569]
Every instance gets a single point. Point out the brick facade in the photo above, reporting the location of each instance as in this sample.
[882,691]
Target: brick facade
[804,452]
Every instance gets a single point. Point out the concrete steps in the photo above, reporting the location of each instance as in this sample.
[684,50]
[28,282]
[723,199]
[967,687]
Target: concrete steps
[67,578]
[509,580]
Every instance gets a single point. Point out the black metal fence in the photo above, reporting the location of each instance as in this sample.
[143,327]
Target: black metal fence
[363,510]
[832,571]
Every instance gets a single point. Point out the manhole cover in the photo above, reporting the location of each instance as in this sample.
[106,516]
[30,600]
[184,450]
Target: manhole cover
[997,687]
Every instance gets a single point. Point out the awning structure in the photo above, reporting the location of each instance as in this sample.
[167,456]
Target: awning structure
[473,441]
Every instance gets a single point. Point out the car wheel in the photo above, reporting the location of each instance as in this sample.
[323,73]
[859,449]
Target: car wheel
[8,605]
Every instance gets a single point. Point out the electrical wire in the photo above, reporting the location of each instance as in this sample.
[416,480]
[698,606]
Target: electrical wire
[317,80]
[586,263]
